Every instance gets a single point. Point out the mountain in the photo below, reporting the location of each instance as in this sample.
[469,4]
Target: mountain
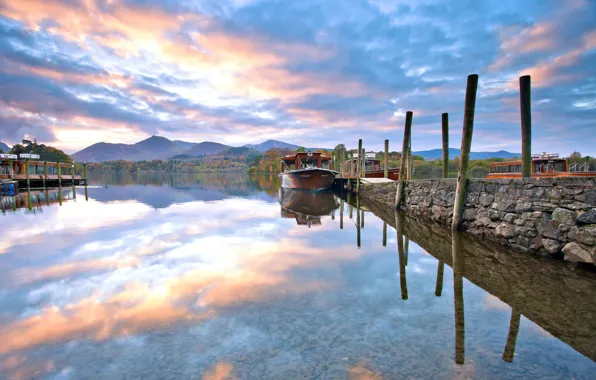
[153,148]
[184,144]
[437,154]
[4,147]
[270,144]
[206,148]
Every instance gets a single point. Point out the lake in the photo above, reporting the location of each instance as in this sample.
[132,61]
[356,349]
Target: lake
[222,276]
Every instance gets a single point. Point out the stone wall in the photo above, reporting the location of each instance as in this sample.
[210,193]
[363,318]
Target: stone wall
[548,216]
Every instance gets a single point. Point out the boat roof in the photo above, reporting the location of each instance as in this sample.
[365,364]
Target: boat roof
[291,157]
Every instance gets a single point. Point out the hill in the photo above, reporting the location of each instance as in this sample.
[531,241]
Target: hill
[155,147]
[206,148]
[271,144]
[4,147]
[437,154]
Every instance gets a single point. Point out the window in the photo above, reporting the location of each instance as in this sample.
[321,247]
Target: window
[559,166]
[514,168]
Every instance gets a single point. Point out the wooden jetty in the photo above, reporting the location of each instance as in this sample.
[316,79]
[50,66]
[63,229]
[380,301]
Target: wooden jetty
[28,172]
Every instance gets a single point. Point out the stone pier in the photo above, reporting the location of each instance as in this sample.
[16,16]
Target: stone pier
[547,216]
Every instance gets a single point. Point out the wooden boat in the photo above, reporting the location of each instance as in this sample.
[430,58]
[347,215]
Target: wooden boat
[306,207]
[545,165]
[307,171]
[373,168]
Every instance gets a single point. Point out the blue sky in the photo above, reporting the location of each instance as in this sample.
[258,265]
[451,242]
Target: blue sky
[317,73]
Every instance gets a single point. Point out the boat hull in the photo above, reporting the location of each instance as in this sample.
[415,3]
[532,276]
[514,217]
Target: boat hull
[391,173]
[308,179]
[309,203]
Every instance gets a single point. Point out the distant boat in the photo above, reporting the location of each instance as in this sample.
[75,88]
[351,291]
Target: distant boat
[373,168]
[307,171]
[545,165]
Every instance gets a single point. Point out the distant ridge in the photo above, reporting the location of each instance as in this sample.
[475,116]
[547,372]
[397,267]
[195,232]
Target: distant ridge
[4,147]
[437,154]
[270,144]
[161,148]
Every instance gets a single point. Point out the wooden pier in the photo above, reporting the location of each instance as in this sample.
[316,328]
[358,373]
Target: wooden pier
[27,172]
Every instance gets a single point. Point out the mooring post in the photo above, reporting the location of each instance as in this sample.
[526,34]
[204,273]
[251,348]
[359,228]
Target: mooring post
[402,163]
[445,125]
[27,173]
[384,234]
[29,204]
[45,173]
[466,143]
[47,197]
[526,124]
[73,175]
[512,336]
[359,172]
[386,160]
[60,195]
[59,177]
[401,256]
[341,162]
[362,219]
[341,214]
[363,163]
[358,220]
[458,296]
[406,248]
[439,284]
[85,172]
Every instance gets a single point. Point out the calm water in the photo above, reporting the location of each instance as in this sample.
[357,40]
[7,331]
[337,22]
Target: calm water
[209,277]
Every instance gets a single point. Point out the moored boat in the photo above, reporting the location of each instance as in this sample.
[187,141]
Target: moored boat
[306,207]
[373,168]
[307,171]
[545,165]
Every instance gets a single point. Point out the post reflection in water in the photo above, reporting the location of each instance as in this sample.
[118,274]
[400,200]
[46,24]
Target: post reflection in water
[399,220]
[512,336]
[458,296]
[132,284]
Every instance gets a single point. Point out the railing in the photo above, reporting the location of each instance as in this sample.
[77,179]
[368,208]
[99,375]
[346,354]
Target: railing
[577,167]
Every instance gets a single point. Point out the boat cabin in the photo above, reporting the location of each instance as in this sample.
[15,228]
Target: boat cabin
[545,163]
[304,160]
[25,165]
[371,163]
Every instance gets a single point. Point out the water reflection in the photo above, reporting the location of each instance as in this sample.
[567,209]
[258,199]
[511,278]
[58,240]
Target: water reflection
[199,280]
[307,207]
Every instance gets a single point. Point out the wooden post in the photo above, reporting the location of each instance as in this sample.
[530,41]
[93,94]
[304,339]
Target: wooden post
[409,162]
[359,173]
[445,125]
[85,172]
[341,214]
[385,232]
[466,143]
[59,177]
[47,197]
[512,336]
[402,163]
[45,173]
[406,248]
[72,175]
[341,163]
[86,194]
[358,220]
[60,195]
[458,296]
[526,124]
[27,174]
[29,204]
[362,219]
[386,160]
[363,163]
[439,284]
[400,252]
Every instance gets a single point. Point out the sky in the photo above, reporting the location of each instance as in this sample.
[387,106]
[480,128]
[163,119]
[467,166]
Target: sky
[313,73]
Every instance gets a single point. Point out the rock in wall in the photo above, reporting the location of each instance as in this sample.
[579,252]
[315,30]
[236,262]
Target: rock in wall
[548,216]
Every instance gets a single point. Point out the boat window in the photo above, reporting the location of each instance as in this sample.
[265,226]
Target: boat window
[559,166]
[325,164]
[514,168]
[39,170]
[492,169]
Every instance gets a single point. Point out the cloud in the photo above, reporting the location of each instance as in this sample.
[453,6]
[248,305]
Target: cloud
[240,71]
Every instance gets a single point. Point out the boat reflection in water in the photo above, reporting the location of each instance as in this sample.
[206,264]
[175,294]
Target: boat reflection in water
[306,207]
